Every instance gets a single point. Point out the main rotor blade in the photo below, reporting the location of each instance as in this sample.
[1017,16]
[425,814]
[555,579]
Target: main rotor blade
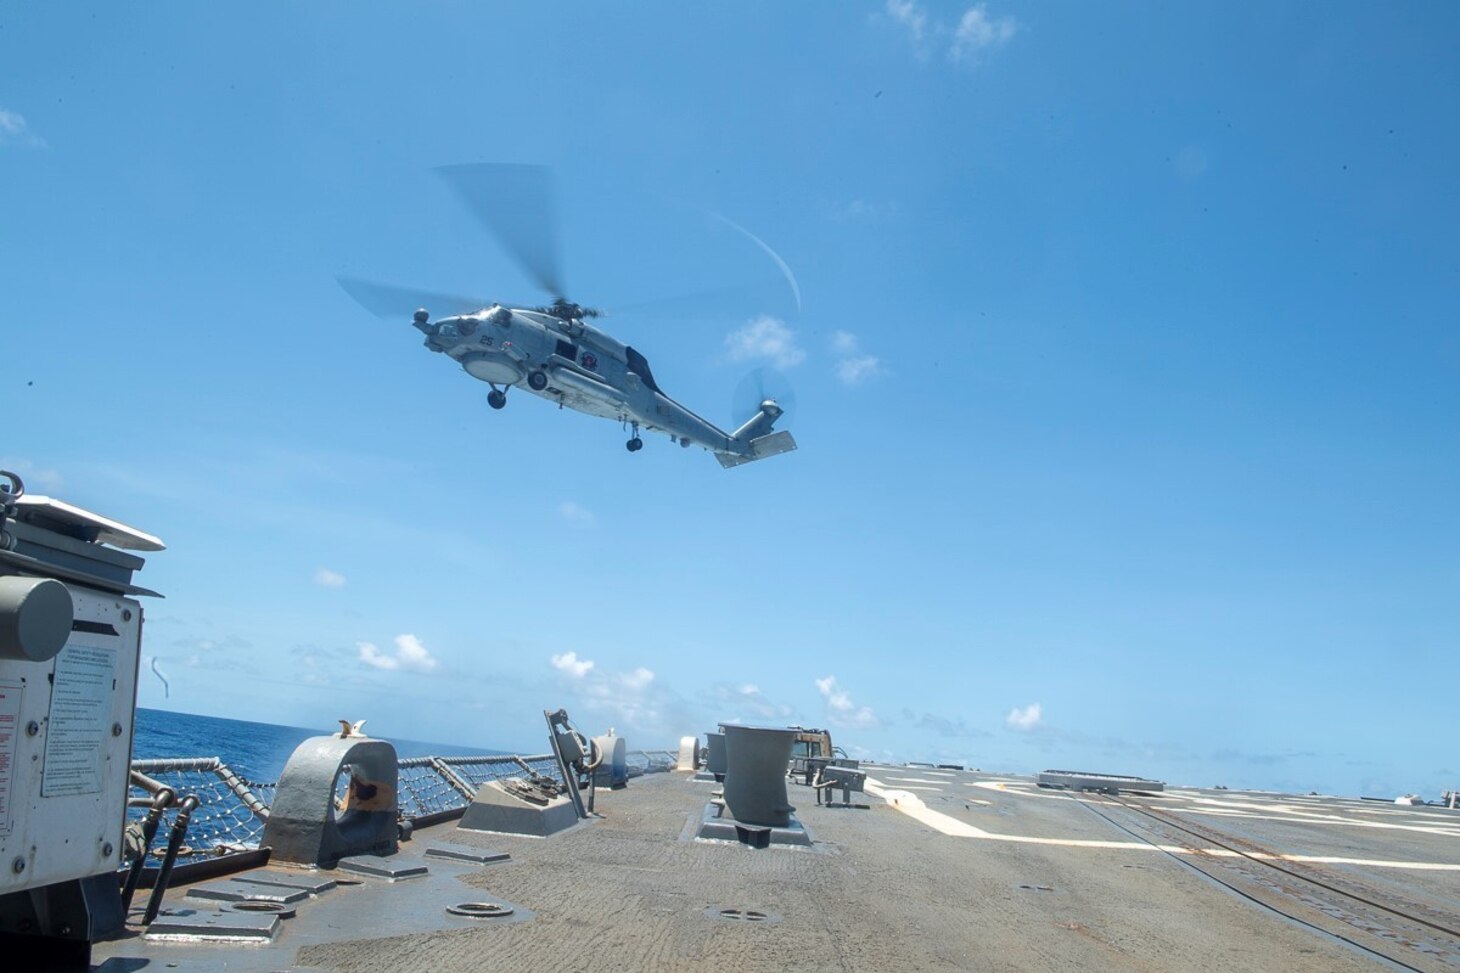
[518,205]
[389,301]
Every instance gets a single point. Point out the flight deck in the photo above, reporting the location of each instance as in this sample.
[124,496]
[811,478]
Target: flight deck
[929,869]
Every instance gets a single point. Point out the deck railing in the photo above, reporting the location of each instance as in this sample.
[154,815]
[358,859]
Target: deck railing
[232,810]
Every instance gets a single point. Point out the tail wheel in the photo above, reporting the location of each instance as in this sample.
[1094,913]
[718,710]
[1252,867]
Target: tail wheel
[634,445]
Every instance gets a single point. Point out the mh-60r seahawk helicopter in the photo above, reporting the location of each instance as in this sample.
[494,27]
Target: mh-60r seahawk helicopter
[552,350]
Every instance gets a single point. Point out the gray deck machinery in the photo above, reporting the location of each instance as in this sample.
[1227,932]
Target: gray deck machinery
[70,638]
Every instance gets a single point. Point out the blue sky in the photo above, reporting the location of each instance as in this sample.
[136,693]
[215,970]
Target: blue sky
[1126,370]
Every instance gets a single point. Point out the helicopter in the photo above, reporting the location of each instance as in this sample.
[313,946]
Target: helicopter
[551,350]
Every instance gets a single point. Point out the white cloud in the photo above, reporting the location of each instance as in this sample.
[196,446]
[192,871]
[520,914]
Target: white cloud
[638,679]
[372,656]
[413,654]
[854,371]
[570,663]
[841,711]
[977,32]
[764,337]
[409,654]
[15,131]
[909,15]
[744,702]
[1024,719]
[633,700]
[326,578]
[575,513]
[853,367]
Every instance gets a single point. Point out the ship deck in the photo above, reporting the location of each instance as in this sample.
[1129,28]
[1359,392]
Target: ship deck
[937,870]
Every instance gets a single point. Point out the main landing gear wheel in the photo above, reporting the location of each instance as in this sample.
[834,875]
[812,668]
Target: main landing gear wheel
[537,381]
[635,444]
[496,398]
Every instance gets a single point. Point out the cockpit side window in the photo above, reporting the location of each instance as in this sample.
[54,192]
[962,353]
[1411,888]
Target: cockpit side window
[639,365]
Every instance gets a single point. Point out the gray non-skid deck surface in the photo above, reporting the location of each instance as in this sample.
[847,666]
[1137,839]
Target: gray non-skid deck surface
[972,872]
[890,892]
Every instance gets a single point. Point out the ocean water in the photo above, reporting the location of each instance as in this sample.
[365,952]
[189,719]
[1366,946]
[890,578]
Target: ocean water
[256,751]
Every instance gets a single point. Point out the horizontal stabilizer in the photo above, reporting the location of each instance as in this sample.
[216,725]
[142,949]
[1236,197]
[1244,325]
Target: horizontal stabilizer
[773,445]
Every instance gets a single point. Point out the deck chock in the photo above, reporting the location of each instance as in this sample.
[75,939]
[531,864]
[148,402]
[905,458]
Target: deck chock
[307,827]
[241,891]
[518,810]
[717,825]
[191,925]
[377,867]
[310,882]
[470,857]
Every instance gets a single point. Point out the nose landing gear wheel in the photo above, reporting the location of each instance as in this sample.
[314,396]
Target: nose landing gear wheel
[496,398]
[537,381]
[635,444]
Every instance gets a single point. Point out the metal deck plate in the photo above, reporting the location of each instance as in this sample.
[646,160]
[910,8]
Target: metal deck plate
[466,855]
[313,883]
[239,891]
[191,924]
[377,867]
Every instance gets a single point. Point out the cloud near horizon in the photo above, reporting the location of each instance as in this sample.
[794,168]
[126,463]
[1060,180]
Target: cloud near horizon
[747,698]
[840,710]
[410,655]
[1024,719]
[633,702]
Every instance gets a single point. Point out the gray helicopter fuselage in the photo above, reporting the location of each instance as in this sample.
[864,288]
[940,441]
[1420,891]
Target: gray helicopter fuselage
[571,363]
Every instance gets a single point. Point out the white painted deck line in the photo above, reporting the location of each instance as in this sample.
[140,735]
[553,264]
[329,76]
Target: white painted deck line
[912,805]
